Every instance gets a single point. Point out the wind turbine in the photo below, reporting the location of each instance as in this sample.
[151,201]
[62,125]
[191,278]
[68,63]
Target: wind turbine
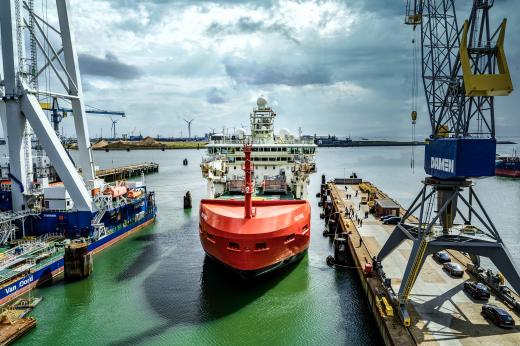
[114,122]
[189,126]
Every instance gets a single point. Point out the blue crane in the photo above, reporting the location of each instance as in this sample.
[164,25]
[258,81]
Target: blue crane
[463,69]
[58,113]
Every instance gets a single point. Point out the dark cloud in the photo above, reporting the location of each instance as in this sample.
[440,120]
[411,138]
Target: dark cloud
[251,72]
[369,48]
[247,25]
[133,3]
[109,66]
[215,96]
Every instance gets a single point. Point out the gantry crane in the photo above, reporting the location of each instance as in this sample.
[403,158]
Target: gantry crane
[18,20]
[58,113]
[463,69]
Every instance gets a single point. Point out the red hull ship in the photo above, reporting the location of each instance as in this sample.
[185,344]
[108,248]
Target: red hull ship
[277,234]
[511,173]
[253,237]
[508,166]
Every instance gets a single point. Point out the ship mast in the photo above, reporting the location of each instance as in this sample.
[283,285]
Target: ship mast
[248,184]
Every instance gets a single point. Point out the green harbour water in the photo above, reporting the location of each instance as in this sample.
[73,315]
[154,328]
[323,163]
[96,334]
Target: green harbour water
[157,288]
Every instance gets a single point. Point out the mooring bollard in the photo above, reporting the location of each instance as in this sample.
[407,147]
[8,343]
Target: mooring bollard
[187,200]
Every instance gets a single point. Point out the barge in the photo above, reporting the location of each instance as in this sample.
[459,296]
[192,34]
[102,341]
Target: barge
[440,310]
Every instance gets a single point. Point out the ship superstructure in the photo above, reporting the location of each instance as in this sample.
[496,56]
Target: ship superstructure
[256,219]
[282,162]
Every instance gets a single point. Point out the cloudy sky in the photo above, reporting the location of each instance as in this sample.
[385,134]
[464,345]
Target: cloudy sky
[331,67]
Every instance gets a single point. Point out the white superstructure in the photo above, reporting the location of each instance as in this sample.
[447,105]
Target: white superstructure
[282,163]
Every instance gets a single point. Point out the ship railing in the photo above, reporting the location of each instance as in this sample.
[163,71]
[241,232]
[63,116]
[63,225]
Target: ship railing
[15,255]
[12,216]
[276,141]
[51,236]
[58,210]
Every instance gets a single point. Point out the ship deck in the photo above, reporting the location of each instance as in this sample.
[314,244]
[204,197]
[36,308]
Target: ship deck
[440,310]
[258,196]
[262,211]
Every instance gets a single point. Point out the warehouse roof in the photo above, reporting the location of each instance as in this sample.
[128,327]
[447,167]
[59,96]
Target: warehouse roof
[387,203]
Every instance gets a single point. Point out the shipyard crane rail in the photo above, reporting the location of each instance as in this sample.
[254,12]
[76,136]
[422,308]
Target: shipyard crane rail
[463,69]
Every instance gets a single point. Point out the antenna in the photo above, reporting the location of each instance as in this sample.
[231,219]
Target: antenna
[189,126]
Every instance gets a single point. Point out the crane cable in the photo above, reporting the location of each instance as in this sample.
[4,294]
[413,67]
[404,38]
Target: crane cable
[415,88]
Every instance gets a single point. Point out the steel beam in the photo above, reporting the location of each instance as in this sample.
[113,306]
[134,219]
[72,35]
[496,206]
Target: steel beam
[71,62]
[15,124]
[3,117]
[57,154]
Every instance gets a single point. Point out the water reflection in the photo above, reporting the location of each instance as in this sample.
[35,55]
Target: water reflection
[188,288]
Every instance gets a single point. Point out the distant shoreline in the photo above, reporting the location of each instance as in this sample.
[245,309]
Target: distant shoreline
[145,144]
[129,146]
[369,143]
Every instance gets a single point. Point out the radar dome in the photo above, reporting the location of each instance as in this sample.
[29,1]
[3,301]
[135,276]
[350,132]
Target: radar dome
[241,133]
[261,102]
[285,132]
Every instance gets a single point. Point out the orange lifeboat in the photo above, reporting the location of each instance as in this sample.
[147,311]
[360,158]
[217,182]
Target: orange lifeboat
[115,191]
[134,193]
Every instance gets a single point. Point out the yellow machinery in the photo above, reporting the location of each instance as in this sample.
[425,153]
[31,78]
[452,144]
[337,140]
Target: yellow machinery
[498,84]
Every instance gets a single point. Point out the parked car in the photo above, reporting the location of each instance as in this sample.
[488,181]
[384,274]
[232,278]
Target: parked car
[442,257]
[498,316]
[477,290]
[394,220]
[383,218]
[453,269]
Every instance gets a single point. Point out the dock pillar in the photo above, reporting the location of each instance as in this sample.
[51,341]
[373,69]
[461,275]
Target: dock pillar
[340,249]
[77,261]
[187,200]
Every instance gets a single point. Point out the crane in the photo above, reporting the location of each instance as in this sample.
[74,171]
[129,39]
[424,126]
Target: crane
[58,113]
[463,69]
[18,21]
